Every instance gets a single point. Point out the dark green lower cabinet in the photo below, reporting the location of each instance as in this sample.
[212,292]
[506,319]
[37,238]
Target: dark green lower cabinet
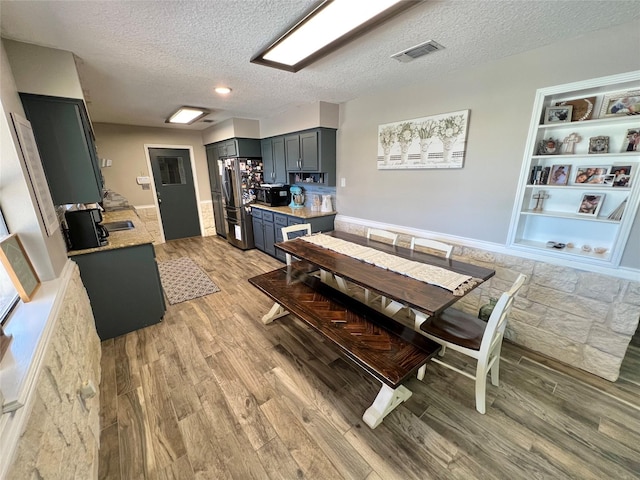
[124,289]
[267,228]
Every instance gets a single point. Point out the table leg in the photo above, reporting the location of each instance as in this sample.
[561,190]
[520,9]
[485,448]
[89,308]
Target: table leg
[276,312]
[386,400]
[420,319]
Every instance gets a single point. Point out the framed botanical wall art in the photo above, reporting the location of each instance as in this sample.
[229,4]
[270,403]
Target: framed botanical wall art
[438,141]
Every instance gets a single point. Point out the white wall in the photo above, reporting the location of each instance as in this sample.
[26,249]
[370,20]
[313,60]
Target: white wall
[474,202]
[17,199]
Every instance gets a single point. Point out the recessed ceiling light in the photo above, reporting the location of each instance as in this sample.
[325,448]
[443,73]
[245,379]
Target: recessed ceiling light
[328,26]
[187,115]
[223,90]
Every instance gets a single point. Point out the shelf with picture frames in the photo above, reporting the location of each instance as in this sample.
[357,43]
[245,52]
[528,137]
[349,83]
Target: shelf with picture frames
[579,186]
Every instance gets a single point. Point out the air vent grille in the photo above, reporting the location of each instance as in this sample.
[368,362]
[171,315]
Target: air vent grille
[417,51]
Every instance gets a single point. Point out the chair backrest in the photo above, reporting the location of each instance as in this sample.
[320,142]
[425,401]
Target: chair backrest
[382,235]
[498,320]
[301,227]
[429,244]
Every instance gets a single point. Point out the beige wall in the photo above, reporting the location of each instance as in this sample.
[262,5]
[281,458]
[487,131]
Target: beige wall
[233,127]
[44,71]
[124,146]
[17,199]
[311,115]
[474,202]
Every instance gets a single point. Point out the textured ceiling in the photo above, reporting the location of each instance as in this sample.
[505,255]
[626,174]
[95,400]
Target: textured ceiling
[140,60]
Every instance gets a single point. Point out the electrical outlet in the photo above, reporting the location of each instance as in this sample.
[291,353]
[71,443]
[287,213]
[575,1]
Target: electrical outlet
[343,182]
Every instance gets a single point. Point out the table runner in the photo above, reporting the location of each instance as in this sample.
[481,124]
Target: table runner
[456,283]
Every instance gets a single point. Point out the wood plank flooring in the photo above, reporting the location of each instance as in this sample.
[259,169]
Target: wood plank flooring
[212,393]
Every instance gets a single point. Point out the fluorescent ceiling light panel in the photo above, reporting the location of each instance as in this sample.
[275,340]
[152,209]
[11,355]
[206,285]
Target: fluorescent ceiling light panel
[329,26]
[187,115]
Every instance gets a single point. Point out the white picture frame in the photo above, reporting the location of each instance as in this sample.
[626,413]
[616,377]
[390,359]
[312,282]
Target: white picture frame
[590,204]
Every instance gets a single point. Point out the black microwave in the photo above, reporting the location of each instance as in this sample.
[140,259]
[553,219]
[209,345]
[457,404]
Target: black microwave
[274,196]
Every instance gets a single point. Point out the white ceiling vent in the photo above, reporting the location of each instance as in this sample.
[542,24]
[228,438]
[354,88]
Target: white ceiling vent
[417,51]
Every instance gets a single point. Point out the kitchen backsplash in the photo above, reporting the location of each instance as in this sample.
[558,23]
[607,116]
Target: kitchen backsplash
[311,190]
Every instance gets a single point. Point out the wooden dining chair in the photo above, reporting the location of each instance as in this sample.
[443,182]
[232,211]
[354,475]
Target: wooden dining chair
[379,235]
[291,229]
[418,243]
[382,235]
[470,336]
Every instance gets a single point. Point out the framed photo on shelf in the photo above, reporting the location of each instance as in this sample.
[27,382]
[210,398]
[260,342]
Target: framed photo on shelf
[608,179]
[632,143]
[599,145]
[620,103]
[621,175]
[582,108]
[590,204]
[559,175]
[549,146]
[590,174]
[558,114]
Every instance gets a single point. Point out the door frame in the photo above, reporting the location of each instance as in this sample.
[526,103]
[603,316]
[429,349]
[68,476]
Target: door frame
[192,159]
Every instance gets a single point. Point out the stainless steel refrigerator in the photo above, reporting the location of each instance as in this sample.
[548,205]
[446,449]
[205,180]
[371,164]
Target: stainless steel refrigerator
[239,177]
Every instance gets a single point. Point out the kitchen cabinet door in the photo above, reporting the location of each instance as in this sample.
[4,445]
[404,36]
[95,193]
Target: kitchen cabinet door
[67,149]
[273,160]
[309,152]
[214,170]
[124,288]
[258,232]
[292,152]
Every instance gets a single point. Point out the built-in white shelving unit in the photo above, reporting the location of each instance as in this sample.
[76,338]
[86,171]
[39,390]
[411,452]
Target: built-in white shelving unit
[553,210]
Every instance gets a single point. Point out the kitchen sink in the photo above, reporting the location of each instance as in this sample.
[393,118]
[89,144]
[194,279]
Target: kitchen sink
[117,226]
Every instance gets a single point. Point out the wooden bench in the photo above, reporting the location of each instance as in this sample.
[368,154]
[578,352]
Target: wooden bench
[387,350]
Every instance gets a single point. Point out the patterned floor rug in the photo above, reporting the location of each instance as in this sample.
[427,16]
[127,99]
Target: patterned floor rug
[183,280]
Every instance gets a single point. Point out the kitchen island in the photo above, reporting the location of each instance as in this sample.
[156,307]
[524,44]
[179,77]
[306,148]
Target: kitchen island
[268,222]
[122,278]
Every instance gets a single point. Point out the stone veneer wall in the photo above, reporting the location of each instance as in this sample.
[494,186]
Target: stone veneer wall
[151,221]
[581,318]
[62,435]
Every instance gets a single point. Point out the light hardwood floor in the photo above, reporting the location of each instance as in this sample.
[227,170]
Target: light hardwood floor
[212,393]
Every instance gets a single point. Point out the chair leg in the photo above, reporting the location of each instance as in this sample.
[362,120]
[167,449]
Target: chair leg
[481,388]
[443,348]
[421,371]
[495,368]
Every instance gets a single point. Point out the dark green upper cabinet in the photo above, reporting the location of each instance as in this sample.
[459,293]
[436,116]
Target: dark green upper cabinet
[312,151]
[238,147]
[66,145]
[273,159]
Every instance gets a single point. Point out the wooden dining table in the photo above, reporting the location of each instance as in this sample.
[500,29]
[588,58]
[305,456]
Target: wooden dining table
[424,299]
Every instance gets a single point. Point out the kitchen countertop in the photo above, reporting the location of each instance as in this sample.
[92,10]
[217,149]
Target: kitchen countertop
[295,212]
[123,238]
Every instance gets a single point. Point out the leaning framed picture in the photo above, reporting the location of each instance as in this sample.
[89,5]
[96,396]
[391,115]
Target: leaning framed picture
[590,204]
[599,145]
[620,103]
[559,175]
[621,175]
[558,114]
[582,108]
[18,266]
[632,143]
[591,174]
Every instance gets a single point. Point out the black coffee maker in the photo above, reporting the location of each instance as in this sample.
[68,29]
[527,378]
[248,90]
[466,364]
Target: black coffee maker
[84,229]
